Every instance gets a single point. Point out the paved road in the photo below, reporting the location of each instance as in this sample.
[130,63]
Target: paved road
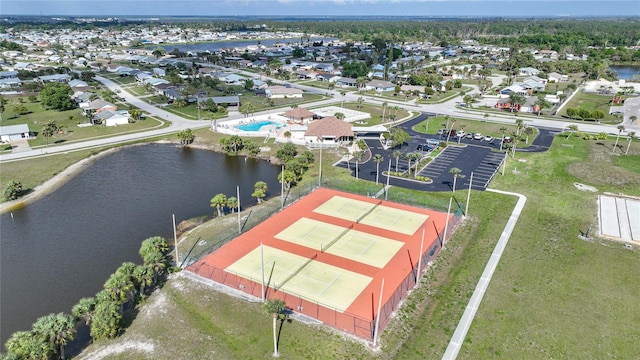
[179,123]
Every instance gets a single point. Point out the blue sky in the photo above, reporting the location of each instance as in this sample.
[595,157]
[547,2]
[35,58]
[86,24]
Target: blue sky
[506,8]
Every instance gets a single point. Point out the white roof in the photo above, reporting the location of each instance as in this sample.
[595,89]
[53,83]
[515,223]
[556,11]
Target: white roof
[14,129]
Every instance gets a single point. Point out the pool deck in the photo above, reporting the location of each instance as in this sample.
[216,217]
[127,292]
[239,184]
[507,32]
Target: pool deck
[229,127]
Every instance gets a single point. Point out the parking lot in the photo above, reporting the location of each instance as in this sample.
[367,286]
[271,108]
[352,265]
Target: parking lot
[472,155]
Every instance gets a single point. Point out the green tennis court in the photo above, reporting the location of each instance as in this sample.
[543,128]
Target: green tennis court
[310,233]
[344,208]
[316,281]
[398,220]
[365,248]
[340,241]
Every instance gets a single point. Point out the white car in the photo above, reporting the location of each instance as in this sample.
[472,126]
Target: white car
[478,136]
[488,138]
[460,133]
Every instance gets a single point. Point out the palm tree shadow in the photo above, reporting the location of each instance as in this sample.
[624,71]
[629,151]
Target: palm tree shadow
[284,317]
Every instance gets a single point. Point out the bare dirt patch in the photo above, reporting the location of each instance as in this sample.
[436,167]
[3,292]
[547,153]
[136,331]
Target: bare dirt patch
[599,168]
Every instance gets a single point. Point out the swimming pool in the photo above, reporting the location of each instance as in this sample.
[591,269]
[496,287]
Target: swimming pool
[254,126]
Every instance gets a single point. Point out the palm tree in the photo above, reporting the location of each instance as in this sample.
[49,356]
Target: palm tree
[84,309]
[49,129]
[630,136]
[360,102]
[358,156]
[502,129]
[396,154]
[56,330]
[519,126]
[27,345]
[232,203]
[384,108]
[455,172]
[144,274]
[135,114]
[573,128]
[106,320]
[409,157]
[342,93]
[219,202]
[516,99]
[620,130]
[158,52]
[528,131]
[453,121]
[377,158]
[154,252]
[417,157]
[361,82]
[260,191]
[276,309]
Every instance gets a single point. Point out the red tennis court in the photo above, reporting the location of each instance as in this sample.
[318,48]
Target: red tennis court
[327,254]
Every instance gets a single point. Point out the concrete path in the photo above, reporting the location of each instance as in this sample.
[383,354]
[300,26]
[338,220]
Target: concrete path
[472,307]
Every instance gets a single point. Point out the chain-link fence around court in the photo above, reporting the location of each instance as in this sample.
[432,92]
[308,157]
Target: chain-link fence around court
[259,213]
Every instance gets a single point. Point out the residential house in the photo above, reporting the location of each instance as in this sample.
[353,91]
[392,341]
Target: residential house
[280,92]
[15,132]
[514,88]
[405,89]
[332,78]
[259,84]
[328,130]
[97,106]
[6,83]
[8,74]
[557,78]
[159,72]
[346,82]
[111,118]
[230,102]
[380,86]
[78,83]
[61,78]
[528,71]
[530,105]
[304,74]
[24,66]
[532,85]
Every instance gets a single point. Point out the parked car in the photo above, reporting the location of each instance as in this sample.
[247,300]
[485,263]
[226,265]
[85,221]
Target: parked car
[507,139]
[424,147]
[460,133]
[488,138]
[432,142]
[442,131]
[478,136]
[452,133]
[469,136]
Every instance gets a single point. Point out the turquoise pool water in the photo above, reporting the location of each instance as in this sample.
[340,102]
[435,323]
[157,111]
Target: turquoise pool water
[255,126]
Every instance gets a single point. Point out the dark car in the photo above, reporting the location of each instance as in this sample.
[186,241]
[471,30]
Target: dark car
[424,147]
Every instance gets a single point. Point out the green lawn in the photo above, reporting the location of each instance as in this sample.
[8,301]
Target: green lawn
[555,295]
[70,120]
[552,296]
[591,102]
[432,125]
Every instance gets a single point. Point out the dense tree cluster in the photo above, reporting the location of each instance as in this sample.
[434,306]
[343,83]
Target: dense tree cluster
[103,313]
[57,96]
